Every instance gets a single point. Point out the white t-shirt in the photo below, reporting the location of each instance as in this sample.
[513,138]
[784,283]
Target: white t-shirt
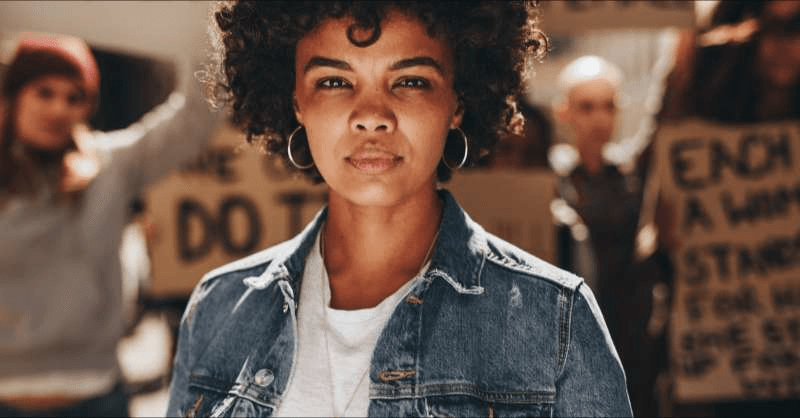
[333,360]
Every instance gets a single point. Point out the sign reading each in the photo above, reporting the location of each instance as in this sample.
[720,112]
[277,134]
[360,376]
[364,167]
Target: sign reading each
[734,196]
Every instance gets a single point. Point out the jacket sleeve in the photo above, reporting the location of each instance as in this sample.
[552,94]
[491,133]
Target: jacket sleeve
[180,404]
[172,133]
[591,380]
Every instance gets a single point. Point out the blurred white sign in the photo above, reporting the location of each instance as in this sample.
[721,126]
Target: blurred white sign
[512,204]
[574,16]
[734,194]
[163,28]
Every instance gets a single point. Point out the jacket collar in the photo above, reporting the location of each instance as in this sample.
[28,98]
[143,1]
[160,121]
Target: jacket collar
[458,256]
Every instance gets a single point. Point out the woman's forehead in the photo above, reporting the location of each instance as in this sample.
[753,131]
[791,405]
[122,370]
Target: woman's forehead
[57,81]
[401,36]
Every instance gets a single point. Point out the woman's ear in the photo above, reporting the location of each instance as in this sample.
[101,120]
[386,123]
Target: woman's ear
[297,113]
[458,116]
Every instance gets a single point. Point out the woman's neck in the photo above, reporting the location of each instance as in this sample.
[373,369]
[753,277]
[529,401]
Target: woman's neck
[370,252]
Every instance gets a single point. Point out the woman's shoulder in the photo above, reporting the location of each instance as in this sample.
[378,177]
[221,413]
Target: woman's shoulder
[505,256]
[250,266]
[260,269]
[220,289]
[511,270]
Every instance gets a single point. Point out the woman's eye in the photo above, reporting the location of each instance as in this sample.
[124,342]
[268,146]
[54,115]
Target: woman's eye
[45,92]
[333,83]
[76,98]
[413,83]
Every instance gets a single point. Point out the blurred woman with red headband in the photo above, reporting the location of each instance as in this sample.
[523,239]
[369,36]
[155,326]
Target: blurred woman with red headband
[64,194]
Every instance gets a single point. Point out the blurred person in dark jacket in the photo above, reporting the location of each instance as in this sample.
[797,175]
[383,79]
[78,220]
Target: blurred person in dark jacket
[599,189]
[597,180]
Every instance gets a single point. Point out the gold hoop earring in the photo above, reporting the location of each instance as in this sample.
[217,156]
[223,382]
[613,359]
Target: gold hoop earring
[289,150]
[466,151]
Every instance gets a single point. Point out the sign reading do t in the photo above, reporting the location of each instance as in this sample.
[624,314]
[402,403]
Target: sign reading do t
[230,202]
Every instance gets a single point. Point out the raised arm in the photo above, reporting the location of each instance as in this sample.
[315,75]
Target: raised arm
[172,133]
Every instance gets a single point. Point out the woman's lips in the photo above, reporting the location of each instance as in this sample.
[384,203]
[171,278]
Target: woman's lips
[374,162]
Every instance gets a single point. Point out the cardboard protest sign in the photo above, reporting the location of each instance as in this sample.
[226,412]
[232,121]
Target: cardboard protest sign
[512,204]
[229,203]
[734,193]
[575,16]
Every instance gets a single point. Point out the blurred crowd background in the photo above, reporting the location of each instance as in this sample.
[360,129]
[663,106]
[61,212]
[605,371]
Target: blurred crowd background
[660,160]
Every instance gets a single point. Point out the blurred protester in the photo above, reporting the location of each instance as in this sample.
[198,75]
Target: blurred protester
[596,180]
[64,202]
[599,189]
[135,263]
[744,67]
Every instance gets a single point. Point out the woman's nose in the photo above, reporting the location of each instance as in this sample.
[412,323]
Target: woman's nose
[59,107]
[372,113]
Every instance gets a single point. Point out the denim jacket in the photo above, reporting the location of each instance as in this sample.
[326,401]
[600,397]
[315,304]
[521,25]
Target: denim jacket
[489,330]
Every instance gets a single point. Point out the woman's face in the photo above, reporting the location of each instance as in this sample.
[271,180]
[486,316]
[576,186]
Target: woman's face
[779,49]
[47,110]
[376,117]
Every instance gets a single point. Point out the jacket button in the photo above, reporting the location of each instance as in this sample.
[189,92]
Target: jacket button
[264,377]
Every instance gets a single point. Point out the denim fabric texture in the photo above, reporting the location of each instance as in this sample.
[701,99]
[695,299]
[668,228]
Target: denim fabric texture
[489,331]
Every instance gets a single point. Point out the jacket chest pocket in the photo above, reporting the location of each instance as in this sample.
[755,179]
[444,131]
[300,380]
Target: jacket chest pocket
[471,406]
[213,398]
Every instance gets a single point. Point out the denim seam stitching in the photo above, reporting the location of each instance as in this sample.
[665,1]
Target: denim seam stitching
[528,270]
[250,398]
[206,387]
[418,353]
[480,270]
[565,318]
[475,290]
[409,391]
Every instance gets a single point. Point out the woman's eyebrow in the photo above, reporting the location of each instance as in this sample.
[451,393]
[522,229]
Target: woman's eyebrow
[417,61]
[317,61]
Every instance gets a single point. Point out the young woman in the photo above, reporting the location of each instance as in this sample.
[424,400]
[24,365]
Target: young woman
[64,198]
[392,302]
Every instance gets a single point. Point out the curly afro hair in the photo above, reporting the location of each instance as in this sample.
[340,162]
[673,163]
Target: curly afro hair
[255,43]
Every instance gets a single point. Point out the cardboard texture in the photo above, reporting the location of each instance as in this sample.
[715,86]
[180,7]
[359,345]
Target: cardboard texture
[232,202]
[512,204]
[576,16]
[734,196]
